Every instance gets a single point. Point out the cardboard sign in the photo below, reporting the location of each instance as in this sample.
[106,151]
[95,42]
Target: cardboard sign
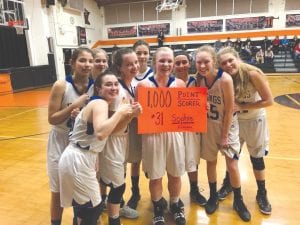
[172,110]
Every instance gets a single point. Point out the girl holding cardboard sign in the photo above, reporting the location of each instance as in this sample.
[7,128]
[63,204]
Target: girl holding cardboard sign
[165,150]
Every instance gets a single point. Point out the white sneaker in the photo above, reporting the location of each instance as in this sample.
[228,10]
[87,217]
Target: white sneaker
[128,212]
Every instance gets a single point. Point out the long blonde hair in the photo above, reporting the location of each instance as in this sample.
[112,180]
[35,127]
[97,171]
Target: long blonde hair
[241,79]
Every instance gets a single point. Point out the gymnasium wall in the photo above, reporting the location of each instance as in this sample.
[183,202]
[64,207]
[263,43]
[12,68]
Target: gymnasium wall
[54,28]
[178,21]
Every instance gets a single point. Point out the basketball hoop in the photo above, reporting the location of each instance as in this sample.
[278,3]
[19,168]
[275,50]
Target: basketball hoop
[167,5]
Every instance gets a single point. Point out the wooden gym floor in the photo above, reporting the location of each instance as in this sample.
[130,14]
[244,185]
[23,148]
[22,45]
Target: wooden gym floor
[24,191]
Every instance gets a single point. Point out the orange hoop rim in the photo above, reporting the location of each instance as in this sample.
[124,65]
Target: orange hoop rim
[12,23]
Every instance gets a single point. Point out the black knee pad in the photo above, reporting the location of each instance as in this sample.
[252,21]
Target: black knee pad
[258,163]
[89,216]
[115,194]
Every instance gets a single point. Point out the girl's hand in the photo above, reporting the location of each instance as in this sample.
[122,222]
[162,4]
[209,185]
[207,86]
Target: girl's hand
[74,113]
[125,108]
[224,143]
[81,101]
[136,109]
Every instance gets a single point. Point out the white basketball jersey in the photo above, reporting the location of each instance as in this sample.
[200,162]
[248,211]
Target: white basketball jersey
[214,98]
[70,95]
[140,77]
[250,95]
[83,135]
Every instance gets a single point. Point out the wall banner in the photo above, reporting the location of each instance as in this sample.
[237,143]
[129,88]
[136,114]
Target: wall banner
[205,26]
[122,32]
[249,23]
[292,20]
[153,29]
[172,110]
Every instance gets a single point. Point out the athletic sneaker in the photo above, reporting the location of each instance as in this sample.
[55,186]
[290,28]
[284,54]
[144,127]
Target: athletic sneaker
[197,197]
[225,189]
[177,210]
[133,201]
[158,218]
[128,212]
[240,207]
[263,202]
[114,221]
[212,205]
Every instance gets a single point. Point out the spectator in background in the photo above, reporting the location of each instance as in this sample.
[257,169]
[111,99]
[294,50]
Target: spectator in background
[161,38]
[260,59]
[284,44]
[113,52]
[218,45]
[275,44]
[293,42]
[269,56]
[296,51]
[246,53]
[184,47]
[266,43]
[248,41]
[238,45]
[228,43]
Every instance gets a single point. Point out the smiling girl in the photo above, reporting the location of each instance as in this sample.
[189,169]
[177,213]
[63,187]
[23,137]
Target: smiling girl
[78,183]
[66,99]
[222,129]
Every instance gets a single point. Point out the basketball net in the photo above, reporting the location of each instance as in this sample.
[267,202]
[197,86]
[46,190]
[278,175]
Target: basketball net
[167,5]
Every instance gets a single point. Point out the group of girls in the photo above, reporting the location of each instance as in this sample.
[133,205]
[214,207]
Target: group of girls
[105,121]
[90,112]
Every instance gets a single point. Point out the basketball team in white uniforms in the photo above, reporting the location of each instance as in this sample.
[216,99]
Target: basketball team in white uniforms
[171,152]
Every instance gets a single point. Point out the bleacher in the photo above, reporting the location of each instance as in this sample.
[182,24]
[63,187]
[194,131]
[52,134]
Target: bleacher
[283,61]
